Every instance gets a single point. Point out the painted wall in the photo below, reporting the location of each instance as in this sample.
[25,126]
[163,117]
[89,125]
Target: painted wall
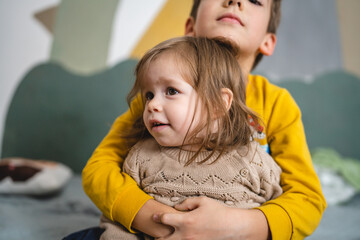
[24,43]
[308,41]
[87,37]
[349,19]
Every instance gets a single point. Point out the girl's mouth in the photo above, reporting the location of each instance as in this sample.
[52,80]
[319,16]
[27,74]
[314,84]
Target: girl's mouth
[157,125]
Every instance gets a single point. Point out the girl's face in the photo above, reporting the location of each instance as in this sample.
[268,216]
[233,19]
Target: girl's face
[172,107]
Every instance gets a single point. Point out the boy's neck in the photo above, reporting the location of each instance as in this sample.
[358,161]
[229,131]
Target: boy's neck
[246,64]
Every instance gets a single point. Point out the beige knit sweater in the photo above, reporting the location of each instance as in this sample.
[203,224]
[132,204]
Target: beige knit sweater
[243,178]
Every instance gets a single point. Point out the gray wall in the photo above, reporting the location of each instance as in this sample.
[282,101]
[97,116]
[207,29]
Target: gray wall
[308,40]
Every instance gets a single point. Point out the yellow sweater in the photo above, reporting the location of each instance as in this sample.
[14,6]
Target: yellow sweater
[293,215]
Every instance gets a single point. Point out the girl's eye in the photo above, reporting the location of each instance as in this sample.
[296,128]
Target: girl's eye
[171,91]
[256,2]
[149,95]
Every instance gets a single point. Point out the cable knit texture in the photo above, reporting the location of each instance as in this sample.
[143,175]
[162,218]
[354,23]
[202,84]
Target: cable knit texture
[243,178]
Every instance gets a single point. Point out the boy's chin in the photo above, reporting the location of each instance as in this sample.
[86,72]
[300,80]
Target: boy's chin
[225,36]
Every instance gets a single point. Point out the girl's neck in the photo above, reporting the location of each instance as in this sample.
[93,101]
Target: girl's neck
[190,147]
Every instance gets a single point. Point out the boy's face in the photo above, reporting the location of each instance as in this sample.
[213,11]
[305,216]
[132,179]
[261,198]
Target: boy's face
[244,22]
[170,101]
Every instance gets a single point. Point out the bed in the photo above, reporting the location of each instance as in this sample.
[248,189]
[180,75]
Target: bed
[59,116]
[47,217]
[56,216]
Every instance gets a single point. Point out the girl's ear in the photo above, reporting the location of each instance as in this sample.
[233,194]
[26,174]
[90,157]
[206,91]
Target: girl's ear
[189,27]
[227,96]
[267,47]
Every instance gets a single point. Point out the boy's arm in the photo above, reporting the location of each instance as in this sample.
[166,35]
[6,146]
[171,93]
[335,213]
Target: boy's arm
[302,203]
[115,193]
[269,174]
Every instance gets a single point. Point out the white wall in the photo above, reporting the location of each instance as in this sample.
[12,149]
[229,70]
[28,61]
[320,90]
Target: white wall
[133,21]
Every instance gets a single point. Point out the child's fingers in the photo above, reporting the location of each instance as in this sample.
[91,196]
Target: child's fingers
[171,219]
[190,204]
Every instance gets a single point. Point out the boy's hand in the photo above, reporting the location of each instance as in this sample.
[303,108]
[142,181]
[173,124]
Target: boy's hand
[208,219]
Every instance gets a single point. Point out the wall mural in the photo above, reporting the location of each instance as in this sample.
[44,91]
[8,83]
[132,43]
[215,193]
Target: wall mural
[88,38]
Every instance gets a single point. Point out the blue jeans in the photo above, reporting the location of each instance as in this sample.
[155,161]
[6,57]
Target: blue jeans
[86,234]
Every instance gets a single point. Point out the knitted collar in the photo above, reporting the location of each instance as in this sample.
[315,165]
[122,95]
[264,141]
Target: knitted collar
[183,155]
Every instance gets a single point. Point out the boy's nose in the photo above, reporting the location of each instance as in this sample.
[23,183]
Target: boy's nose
[229,3]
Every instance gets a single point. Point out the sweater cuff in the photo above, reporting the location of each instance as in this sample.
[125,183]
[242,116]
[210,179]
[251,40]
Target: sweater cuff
[127,205]
[279,221]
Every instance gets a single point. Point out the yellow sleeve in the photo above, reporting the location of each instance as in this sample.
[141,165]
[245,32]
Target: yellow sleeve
[115,193]
[298,211]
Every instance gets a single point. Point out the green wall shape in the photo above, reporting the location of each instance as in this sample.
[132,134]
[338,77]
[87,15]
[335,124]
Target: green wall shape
[330,108]
[82,34]
[56,115]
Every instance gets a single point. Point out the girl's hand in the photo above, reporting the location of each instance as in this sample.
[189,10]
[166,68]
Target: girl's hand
[209,219]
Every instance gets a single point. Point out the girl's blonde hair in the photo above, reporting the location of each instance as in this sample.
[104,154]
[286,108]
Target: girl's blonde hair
[209,65]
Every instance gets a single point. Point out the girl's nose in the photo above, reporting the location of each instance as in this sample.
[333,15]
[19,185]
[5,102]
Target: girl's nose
[154,105]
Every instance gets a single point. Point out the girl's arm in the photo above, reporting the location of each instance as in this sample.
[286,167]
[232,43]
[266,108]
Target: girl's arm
[144,222]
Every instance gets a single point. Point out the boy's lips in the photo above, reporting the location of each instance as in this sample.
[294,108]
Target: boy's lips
[230,17]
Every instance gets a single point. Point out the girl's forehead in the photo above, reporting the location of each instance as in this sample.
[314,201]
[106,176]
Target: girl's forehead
[167,60]
[183,63]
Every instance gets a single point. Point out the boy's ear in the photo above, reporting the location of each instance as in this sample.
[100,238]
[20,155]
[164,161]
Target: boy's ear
[267,47]
[189,27]
[227,96]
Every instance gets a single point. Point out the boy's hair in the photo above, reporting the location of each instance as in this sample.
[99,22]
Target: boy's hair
[208,65]
[274,21]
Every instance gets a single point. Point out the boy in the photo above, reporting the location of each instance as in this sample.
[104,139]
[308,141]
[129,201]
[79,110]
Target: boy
[251,24]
